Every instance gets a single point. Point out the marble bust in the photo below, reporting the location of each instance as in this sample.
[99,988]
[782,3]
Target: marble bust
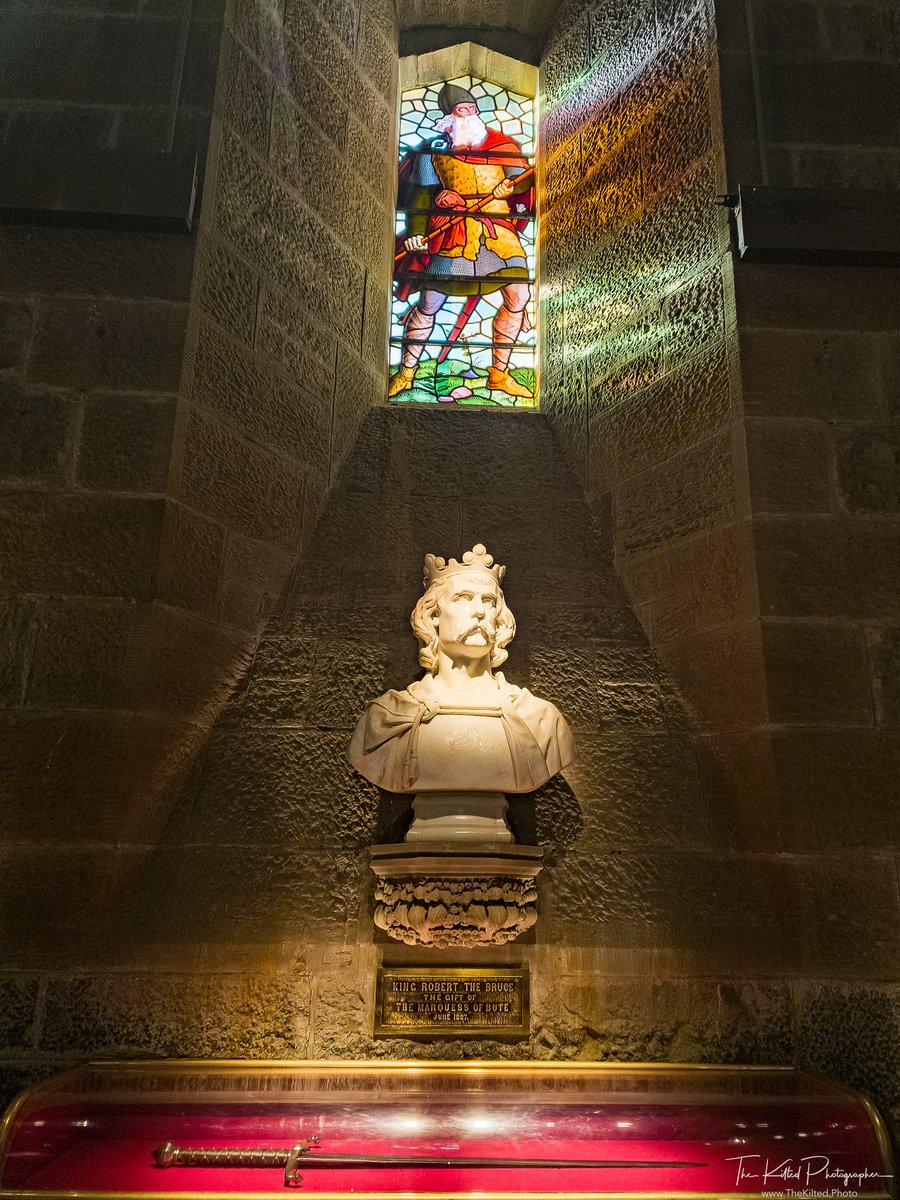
[462,736]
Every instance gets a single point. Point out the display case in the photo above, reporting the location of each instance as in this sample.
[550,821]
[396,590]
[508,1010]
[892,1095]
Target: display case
[391,1129]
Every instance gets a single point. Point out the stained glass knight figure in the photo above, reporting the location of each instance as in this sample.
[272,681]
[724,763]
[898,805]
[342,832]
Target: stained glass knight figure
[467,166]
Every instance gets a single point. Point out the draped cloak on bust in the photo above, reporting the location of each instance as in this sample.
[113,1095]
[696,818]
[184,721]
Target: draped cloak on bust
[384,746]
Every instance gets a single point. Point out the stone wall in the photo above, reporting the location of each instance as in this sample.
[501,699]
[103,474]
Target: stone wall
[96,76]
[180,410]
[819,354]
[809,92]
[175,409]
[248,930]
[640,371]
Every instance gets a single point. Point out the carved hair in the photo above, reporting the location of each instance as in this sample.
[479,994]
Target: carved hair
[422,621]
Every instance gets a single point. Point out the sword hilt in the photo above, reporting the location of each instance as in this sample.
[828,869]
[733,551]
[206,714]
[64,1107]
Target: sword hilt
[169,1155]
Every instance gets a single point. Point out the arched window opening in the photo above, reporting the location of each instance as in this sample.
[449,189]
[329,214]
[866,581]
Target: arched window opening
[462,318]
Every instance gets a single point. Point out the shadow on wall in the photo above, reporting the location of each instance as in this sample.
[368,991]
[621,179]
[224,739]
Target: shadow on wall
[271,833]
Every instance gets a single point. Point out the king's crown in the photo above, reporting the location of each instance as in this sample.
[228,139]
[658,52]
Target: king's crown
[476,559]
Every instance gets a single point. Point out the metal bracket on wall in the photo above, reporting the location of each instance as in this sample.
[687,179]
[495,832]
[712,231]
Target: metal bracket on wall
[813,225]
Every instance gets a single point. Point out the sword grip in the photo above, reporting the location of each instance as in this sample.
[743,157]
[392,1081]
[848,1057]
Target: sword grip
[170,1155]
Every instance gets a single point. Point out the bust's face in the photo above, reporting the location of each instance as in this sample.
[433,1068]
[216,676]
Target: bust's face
[466,619]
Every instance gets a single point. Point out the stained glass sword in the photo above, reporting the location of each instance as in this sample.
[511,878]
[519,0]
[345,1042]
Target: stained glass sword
[170,1155]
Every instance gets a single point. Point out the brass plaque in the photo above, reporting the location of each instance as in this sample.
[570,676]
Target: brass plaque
[455,1001]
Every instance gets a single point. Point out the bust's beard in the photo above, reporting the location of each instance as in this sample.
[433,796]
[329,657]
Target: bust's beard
[463,131]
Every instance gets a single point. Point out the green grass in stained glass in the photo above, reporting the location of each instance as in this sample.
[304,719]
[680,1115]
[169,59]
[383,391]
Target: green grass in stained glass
[455,384]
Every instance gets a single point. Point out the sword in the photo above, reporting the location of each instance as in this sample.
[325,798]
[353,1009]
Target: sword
[170,1155]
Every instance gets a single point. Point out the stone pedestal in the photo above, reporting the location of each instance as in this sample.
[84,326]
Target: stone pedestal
[470,817]
[455,894]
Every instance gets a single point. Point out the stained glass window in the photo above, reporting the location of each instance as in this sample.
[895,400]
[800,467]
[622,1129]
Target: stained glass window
[462,320]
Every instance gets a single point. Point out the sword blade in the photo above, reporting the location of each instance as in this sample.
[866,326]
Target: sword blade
[317,1158]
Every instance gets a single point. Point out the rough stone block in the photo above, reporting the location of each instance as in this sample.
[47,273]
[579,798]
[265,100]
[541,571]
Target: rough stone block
[563,537]
[263,1016]
[125,443]
[109,344]
[18,632]
[367,162]
[851,915]
[696,494]
[258,401]
[851,1032]
[81,653]
[106,778]
[69,126]
[18,1016]
[165,639]
[839,788]
[35,434]
[368,527]
[377,54]
[253,574]
[566,677]
[789,29]
[327,38]
[723,573]
[120,60]
[805,101]
[289,350]
[95,262]
[305,160]
[513,456]
[78,545]
[720,676]
[884,656]
[348,675]
[662,573]
[235,481]
[230,290]
[832,298]
[790,465]
[633,790]
[869,471]
[836,167]
[816,673]
[263,895]
[16,322]
[679,410]
[692,903]
[827,567]
[636,1020]
[678,134]
[192,568]
[248,92]
[52,904]
[737,773]
[288,334]
[283,787]
[800,373]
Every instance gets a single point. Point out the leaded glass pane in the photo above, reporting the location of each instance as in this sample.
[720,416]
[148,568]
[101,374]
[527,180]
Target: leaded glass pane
[462,321]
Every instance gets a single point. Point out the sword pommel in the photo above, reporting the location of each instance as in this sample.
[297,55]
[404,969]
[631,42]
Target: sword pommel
[165,1155]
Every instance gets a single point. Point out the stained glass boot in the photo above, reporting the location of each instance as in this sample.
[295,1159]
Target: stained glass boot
[502,381]
[401,381]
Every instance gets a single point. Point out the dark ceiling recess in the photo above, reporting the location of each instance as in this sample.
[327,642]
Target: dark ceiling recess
[517,28]
[524,47]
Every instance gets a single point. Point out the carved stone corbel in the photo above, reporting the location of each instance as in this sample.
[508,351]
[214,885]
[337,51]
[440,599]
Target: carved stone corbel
[446,895]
